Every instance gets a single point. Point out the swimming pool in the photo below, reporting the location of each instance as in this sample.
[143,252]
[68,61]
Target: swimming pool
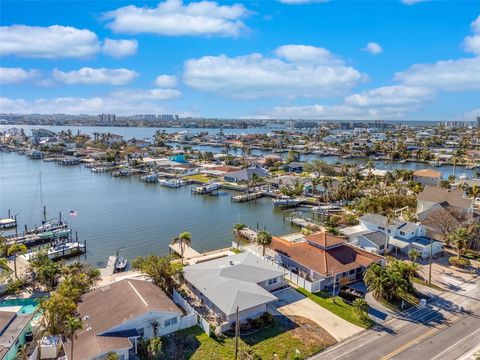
[28,306]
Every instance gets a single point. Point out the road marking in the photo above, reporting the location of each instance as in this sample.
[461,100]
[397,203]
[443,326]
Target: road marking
[410,343]
[458,342]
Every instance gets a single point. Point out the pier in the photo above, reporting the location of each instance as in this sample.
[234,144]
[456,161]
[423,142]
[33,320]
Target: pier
[247,197]
[188,251]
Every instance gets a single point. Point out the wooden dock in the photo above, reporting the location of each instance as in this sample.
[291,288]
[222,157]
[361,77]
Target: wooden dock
[188,251]
[110,268]
[247,197]
[304,223]
[249,234]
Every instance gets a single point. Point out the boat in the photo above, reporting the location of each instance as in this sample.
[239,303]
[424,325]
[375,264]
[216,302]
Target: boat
[120,263]
[326,209]
[173,183]
[60,250]
[35,155]
[402,161]
[286,201]
[435,163]
[50,225]
[206,189]
[150,178]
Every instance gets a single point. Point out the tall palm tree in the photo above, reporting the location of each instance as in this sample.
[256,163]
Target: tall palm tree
[15,250]
[184,239]
[155,324]
[459,238]
[413,255]
[236,232]
[264,239]
[72,325]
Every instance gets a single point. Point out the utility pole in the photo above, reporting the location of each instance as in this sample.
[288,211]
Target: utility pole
[430,263]
[386,239]
[334,283]
[237,334]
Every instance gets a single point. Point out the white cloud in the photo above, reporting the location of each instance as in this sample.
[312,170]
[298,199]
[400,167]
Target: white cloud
[48,42]
[412,2]
[449,75]
[151,94]
[373,48]
[91,76]
[306,54]
[166,81]
[472,43]
[336,112]
[298,2]
[119,48]
[112,103]
[16,75]
[470,115]
[174,18]
[397,95]
[255,76]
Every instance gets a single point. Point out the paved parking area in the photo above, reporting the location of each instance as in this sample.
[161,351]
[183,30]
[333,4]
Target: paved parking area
[291,302]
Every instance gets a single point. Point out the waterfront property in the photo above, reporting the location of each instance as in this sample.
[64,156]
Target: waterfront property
[245,174]
[375,232]
[115,316]
[427,177]
[243,281]
[320,258]
[15,326]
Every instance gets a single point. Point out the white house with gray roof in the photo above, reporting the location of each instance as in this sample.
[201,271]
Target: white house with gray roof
[402,236]
[243,280]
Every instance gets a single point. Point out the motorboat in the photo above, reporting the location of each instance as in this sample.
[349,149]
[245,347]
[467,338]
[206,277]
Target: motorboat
[286,201]
[326,209]
[172,183]
[121,263]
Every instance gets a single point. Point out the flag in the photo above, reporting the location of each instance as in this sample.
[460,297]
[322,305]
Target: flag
[73,213]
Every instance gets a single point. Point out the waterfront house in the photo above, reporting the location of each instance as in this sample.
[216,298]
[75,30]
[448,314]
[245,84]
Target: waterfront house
[41,134]
[427,177]
[321,257]
[242,281]
[245,174]
[287,180]
[115,316]
[372,234]
[295,167]
[15,326]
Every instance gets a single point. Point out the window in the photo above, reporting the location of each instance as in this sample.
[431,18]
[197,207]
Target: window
[381,228]
[402,233]
[170,322]
[351,272]
[272,281]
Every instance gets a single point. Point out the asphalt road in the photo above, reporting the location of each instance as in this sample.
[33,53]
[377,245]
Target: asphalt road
[446,329]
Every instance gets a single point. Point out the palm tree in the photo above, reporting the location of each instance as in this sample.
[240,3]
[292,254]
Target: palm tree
[459,237]
[14,250]
[360,306]
[184,239]
[413,255]
[264,239]
[72,325]
[236,232]
[112,356]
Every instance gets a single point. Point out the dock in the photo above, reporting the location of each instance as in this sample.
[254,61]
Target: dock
[247,197]
[110,268]
[206,189]
[307,224]
[188,251]
[249,234]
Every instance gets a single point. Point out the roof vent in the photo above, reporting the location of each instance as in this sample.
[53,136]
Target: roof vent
[231,262]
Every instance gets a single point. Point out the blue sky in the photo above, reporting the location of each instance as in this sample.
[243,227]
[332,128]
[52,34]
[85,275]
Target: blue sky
[410,59]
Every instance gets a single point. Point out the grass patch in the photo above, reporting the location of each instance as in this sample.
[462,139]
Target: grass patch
[235,250]
[339,307]
[198,177]
[282,338]
[423,282]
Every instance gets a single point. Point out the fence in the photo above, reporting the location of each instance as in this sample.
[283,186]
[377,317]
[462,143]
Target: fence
[192,317]
[296,279]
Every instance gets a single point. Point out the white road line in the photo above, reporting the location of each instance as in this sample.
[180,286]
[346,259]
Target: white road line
[452,346]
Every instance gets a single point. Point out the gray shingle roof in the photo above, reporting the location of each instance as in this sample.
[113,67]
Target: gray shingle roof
[233,281]
[376,237]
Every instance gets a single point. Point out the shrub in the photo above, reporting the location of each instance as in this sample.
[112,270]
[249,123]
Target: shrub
[460,263]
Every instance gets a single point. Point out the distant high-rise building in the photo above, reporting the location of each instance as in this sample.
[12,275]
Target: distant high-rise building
[106,118]
[477,123]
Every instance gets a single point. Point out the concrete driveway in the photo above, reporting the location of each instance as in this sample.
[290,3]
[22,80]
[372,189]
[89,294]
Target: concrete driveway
[291,302]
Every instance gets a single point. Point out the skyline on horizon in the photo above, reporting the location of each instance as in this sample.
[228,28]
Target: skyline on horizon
[327,60]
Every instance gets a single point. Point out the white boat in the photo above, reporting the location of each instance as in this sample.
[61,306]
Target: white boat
[173,183]
[286,201]
[60,250]
[326,209]
[435,163]
[121,263]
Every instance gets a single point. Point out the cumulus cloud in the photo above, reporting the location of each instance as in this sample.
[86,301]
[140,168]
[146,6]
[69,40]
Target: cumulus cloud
[470,115]
[306,54]
[174,18]
[10,75]
[373,48]
[91,76]
[449,75]
[397,95]
[144,101]
[166,81]
[48,42]
[119,48]
[472,43]
[255,76]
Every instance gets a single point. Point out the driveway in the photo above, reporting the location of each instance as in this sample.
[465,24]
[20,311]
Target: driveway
[291,302]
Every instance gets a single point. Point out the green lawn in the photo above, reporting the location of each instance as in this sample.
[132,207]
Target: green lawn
[340,308]
[198,177]
[281,339]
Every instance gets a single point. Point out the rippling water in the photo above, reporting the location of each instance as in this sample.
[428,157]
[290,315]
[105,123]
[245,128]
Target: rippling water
[117,212]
